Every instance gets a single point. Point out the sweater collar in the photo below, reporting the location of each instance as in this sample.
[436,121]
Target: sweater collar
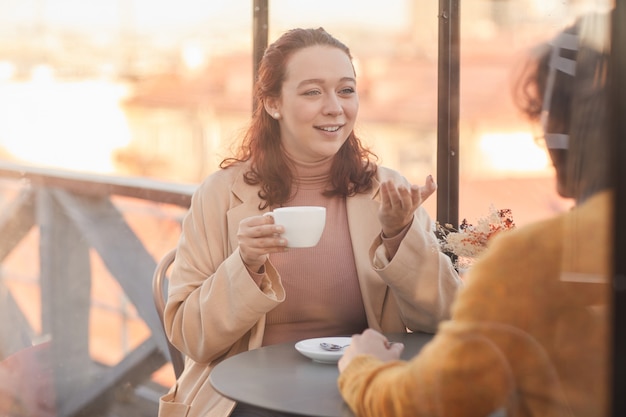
[311,174]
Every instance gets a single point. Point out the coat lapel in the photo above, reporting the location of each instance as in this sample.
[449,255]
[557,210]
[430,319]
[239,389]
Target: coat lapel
[362,209]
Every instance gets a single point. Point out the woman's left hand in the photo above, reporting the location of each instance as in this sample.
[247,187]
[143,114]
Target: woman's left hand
[399,204]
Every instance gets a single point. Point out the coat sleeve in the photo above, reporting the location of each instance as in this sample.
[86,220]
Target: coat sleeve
[420,277]
[461,371]
[212,300]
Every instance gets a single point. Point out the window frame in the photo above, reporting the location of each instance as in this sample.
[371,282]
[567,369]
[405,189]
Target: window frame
[618,127]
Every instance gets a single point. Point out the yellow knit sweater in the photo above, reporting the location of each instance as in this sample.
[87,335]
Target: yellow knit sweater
[529,332]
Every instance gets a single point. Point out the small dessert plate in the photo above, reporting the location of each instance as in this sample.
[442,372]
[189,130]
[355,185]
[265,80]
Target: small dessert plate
[311,348]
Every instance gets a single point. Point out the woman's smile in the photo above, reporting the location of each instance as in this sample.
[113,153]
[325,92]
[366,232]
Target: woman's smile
[330,129]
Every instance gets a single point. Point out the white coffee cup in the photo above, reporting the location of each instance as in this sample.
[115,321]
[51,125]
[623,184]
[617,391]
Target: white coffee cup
[303,224]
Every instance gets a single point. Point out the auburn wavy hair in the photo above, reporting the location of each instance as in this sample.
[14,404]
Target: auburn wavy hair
[353,167]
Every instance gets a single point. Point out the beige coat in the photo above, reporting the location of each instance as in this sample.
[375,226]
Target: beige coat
[215,310]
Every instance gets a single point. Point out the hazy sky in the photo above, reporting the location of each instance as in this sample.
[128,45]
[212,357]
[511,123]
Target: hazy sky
[164,14]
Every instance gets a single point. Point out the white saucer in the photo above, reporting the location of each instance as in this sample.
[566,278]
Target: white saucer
[311,348]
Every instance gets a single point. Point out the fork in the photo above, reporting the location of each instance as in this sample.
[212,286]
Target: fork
[332,347]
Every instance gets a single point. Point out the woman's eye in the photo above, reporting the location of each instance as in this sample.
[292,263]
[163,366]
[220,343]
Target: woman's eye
[347,90]
[312,92]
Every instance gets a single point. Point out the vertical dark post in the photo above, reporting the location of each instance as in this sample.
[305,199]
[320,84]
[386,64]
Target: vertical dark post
[618,123]
[448,113]
[260,29]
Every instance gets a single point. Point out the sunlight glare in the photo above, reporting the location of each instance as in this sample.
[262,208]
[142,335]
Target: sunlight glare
[42,73]
[73,125]
[513,152]
[7,70]
[193,55]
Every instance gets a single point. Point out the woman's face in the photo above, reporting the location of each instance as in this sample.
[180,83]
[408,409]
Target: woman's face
[318,104]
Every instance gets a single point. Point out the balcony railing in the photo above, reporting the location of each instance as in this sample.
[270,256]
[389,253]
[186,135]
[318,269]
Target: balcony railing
[77,215]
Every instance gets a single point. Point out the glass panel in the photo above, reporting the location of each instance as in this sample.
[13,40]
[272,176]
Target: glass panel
[111,112]
[504,162]
[534,140]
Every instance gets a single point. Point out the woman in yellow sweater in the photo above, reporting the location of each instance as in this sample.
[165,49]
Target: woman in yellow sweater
[529,332]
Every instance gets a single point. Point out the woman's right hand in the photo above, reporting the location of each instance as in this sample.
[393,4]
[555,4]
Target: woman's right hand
[258,236]
[373,343]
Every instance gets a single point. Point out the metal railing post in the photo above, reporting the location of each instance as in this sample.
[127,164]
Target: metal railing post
[448,113]
[260,28]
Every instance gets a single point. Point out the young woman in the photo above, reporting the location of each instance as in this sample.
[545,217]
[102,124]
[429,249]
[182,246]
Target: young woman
[235,286]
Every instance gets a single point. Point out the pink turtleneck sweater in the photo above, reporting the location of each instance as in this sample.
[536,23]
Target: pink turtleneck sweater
[323,297]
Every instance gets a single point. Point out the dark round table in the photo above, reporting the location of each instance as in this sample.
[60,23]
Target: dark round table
[279,378]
